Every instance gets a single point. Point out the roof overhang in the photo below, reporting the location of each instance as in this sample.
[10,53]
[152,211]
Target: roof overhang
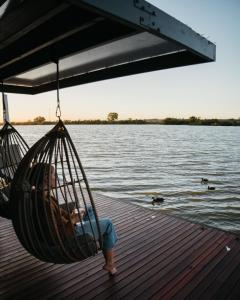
[93,40]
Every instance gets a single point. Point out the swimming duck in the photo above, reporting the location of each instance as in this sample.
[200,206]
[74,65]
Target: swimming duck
[211,188]
[157,200]
[204,181]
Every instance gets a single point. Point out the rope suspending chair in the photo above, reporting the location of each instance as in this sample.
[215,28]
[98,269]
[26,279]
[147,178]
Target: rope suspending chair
[12,149]
[48,186]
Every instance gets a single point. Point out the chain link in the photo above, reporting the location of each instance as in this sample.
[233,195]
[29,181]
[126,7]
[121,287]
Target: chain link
[58,109]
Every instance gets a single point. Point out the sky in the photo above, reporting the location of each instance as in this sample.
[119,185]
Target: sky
[209,90]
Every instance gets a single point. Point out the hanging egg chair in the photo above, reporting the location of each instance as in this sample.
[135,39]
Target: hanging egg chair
[52,207]
[48,188]
[12,149]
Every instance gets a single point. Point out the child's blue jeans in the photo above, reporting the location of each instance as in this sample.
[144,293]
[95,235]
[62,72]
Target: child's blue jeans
[106,227]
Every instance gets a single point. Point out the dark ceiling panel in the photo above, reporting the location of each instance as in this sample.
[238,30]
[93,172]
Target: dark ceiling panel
[93,40]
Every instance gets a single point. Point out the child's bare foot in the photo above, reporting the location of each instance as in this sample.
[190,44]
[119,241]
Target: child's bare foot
[110,268]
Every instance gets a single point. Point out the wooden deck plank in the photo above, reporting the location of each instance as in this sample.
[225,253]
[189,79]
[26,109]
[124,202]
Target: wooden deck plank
[161,265]
[124,263]
[187,286]
[232,282]
[158,257]
[74,269]
[221,273]
[129,235]
[207,251]
[234,293]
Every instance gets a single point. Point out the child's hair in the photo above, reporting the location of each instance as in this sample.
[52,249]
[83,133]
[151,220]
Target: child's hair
[38,173]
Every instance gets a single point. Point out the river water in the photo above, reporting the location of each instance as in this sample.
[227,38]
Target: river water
[136,162]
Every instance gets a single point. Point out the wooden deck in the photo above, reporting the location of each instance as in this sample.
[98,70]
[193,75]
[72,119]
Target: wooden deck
[158,257]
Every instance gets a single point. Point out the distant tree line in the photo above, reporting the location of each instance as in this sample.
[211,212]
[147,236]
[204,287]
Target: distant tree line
[128,121]
[76,122]
[198,121]
[112,118]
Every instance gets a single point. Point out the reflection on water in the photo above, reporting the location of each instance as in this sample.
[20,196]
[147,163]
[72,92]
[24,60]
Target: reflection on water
[136,162]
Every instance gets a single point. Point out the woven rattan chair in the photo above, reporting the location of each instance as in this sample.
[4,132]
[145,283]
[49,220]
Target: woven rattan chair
[12,149]
[37,202]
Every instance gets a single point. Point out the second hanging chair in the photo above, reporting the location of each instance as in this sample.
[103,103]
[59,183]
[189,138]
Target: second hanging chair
[48,186]
[12,149]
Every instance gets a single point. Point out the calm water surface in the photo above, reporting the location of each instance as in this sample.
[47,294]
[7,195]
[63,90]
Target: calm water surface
[135,162]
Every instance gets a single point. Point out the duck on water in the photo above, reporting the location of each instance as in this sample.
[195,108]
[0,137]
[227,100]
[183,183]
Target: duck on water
[157,200]
[204,181]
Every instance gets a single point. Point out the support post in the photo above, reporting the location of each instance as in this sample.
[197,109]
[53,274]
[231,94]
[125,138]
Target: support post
[5,109]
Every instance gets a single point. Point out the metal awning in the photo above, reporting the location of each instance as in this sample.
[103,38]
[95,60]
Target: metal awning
[92,40]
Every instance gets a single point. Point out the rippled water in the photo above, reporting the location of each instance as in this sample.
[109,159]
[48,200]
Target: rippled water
[135,162]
